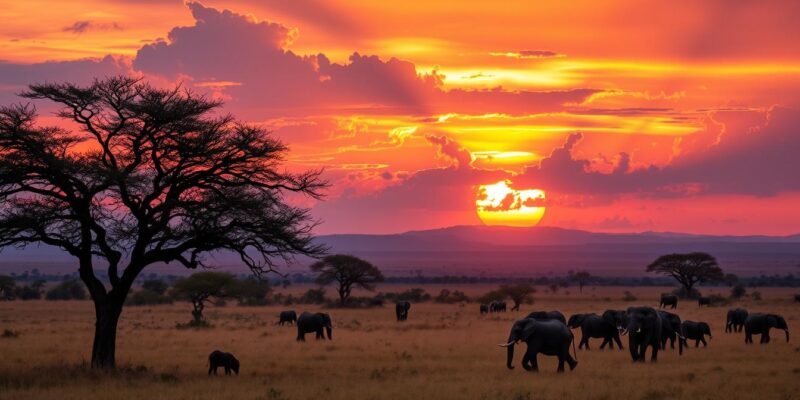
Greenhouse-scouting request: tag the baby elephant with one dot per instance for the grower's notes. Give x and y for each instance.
(287, 317)
(696, 331)
(221, 359)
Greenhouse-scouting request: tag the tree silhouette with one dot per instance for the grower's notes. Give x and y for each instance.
(518, 293)
(150, 176)
(348, 271)
(688, 269)
(581, 277)
(201, 287)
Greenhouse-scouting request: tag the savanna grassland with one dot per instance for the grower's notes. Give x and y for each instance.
(441, 352)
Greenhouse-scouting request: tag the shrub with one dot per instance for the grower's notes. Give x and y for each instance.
(313, 296)
(68, 290)
(718, 300)
(414, 295)
(448, 297)
(28, 292)
(494, 295)
(756, 295)
(147, 297)
(738, 291)
(253, 292)
(9, 334)
(156, 286)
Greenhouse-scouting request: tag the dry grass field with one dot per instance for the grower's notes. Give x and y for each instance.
(441, 352)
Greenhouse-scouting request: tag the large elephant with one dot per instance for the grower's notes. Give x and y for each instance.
(760, 324)
(550, 338)
(696, 331)
(222, 359)
(643, 325)
(735, 320)
(308, 322)
(401, 309)
(548, 316)
(671, 330)
(595, 326)
(287, 317)
(668, 300)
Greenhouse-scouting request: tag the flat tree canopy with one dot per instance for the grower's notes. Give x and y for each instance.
(688, 269)
(201, 287)
(148, 176)
(348, 271)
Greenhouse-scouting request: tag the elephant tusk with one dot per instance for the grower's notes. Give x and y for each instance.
(511, 343)
(639, 330)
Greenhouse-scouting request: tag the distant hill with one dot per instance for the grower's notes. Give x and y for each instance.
(504, 251)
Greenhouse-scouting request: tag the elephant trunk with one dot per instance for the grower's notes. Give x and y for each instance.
(510, 356)
(787, 334)
(329, 329)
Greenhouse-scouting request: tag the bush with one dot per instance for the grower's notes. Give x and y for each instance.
(414, 295)
(494, 295)
(448, 297)
(156, 286)
(756, 295)
(68, 290)
(253, 292)
(28, 293)
(718, 300)
(313, 296)
(147, 297)
(628, 296)
(738, 291)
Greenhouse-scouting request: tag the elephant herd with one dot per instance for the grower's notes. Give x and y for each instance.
(647, 328)
(550, 333)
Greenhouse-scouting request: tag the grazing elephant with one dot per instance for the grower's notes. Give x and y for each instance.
(671, 330)
(308, 322)
(401, 309)
(551, 338)
(484, 309)
(643, 325)
(695, 331)
(221, 359)
(289, 317)
(500, 306)
(595, 326)
(668, 300)
(703, 301)
(547, 316)
(735, 320)
(760, 324)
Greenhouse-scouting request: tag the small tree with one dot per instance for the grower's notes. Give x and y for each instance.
(518, 293)
(581, 278)
(738, 291)
(348, 271)
(688, 269)
(253, 292)
(70, 289)
(202, 287)
(730, 279)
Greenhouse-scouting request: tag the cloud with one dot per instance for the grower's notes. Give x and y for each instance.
(226, 46)
(84, 26)
(748, 152)
(528, 54)
(451, 150)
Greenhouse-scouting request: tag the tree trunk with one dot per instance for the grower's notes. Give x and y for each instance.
(107, 314)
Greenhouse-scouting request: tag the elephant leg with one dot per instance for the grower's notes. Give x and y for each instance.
(697, 343)
(227, 370)
(605, 342)
(560, 364)
(301, 337)
(529, 361)
(654, 356)
(703, 339)
(570, 361)
(211, 369)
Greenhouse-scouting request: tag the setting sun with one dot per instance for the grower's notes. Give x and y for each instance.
(500, 204)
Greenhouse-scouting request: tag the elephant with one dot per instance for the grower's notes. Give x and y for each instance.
(547, 316)
(643, 325)
(551, 338)
(668, 300)
(484, 309)
(695, 331)
(401, 309)
(221, 359)
(671, 330)
(735, 320)
(497, 306)
(289, 317)
(760, 324)
(308, 322)
(704, 301)
(595, 326)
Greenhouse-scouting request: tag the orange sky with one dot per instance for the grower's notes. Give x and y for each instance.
(632, 116)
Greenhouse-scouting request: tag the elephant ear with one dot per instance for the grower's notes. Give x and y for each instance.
(528, 329)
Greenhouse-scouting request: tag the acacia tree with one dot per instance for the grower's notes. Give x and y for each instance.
(581, 277)
(518, 293)
(149, 176)
(348, 271)
(201, 287)
(688, 269)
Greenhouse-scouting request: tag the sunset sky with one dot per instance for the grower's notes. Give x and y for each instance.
(633, 116)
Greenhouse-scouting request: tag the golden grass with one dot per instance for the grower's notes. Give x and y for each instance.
(441, 352)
